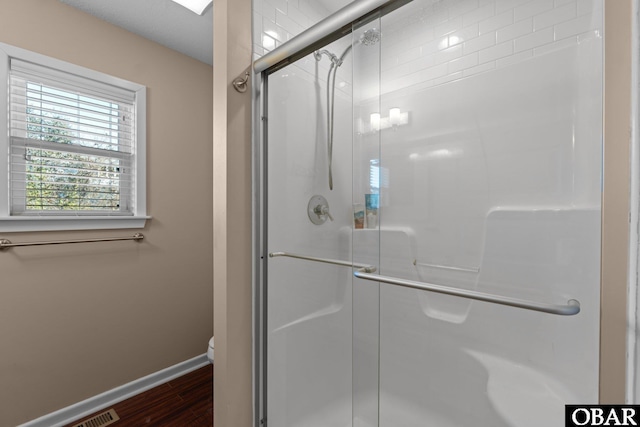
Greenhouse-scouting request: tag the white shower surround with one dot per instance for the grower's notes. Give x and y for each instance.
(535, 235)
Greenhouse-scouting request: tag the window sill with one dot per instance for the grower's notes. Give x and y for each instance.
(64, 223)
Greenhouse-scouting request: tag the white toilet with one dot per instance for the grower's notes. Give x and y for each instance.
(210, 350)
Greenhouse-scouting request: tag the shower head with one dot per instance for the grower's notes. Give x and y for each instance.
(370, 37)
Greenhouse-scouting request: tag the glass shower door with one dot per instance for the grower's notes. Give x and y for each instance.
(309, 293)
(452, 144)
(478, 126)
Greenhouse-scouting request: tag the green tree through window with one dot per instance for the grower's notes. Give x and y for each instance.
(63, 178)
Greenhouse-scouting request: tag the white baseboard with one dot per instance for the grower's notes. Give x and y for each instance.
(101, 401)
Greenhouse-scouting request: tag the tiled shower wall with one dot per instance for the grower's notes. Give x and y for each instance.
(276, 21)
(458, 38)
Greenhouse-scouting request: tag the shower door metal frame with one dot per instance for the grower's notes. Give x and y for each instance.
(259, 247)
(321, 34)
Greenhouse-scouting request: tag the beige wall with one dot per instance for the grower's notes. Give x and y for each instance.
(232, 214)
(78, 320)
(615, 201)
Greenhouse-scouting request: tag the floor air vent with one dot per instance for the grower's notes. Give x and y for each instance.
(104, 419)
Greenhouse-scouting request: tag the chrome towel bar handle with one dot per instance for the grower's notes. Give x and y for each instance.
(363, 271)
(364, 267)
(5, 244)
(571, 308)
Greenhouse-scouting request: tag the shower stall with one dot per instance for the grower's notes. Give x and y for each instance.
(428, 232)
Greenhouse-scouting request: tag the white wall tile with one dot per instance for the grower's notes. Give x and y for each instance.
(585, 7)
(496, 52)
(401, 14)
(589, 35)
(479, 69)
(533, 40)
(463, 35)
(514, 31)
(391, 37)
(446, 40)
(311, 9)
(435, 45)
(504, 5)
(256, 6)
(463, 63)
(281, 5)
(482, 42)
(269, 11)
(478, 14)
(413, 36)
(461, 7)
(449, 54)
(496, 22)
(573, 27)
(402, 34)
(534, 7)
(554, 16)
(448, 78)
(273, 30)
(413, 81)
(551, 47)
(267, 42)
(298, 17)
(435, 17)
(409, 55)
(434, 72)
(411, 67)
(448, 26)
(514, 59)
(417, 39)
(257, 29)
(287, 23)
(388, 62)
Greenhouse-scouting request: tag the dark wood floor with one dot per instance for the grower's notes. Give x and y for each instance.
(186, 401)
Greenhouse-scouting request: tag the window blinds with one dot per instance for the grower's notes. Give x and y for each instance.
(72, 144)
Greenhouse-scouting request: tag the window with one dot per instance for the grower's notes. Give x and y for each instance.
(378, 176)
(72, 146)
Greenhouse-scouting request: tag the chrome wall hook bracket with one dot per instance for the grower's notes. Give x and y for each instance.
(241, 83)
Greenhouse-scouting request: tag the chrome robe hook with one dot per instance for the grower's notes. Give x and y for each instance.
(241, 83)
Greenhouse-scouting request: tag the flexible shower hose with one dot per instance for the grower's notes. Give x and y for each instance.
(331, 92)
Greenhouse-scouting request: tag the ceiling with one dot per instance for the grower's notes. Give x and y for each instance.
(162, 21)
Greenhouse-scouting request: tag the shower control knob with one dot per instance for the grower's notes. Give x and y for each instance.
(318, 210)
(323, 210)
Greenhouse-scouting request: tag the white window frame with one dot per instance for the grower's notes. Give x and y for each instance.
(20, 223)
